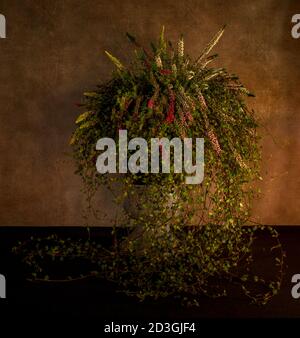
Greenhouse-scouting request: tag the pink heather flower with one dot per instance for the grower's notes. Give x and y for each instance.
(170, 114)
(182, 118)
(150, 104)
(214, 142)
(202, 101)
(189, 115)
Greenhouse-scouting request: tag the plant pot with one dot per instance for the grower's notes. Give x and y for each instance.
(139, 205)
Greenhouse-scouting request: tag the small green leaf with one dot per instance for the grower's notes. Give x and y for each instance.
(82, 117)
(87, 124)
(90, 94)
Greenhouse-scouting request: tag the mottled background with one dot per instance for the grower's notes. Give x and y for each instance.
(54, 52)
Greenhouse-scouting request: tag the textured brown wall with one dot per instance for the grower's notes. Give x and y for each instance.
(54, 51)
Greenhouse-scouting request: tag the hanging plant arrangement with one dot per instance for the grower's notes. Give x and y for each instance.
(181, 240)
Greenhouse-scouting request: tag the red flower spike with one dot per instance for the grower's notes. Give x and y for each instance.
(150, 104)
(170, 114)
(165, 71)
(170, 118)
